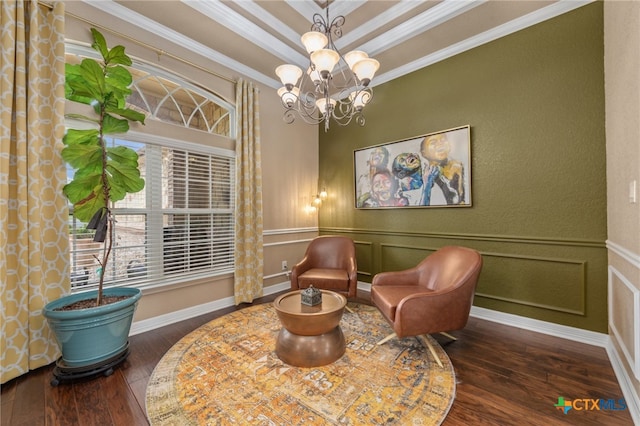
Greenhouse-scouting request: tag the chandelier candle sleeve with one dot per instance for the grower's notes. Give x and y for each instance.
(334, 87)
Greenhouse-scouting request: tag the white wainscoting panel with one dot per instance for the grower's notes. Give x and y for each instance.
(630, 349)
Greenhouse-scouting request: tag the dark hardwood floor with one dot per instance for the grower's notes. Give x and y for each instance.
(506, 376)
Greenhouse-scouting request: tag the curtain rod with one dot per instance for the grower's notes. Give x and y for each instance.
(159, 52)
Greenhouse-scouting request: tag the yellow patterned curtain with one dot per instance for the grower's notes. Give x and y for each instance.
(248, 227)
(34, 245)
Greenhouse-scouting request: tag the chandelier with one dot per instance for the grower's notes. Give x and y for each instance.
(334, 86)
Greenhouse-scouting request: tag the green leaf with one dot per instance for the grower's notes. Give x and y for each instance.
(123, 172)
(71, 70)
(84, 211)
(112, 125)
(123, 154)
(117, 56)
(123, 179)
(81, 117)
(75, 86)
(83, 187)
(83, 156)
(114, 102)
(117, 80)
(75, 136)
(119, 75)
(93, 76)
(99, 43)
(129, 114)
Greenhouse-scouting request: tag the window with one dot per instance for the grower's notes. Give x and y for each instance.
(178, 103)
(181, 225)
(165, 97)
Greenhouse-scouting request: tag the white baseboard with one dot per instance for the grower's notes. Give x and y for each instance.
(184, 314)
(557, 330)
(626, 385)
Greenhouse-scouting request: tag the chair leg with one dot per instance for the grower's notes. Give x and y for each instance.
(448, 335)
(386, 339)
(429, 346)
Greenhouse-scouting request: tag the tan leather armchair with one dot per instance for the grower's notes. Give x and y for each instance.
(433, 297)
(330, 264)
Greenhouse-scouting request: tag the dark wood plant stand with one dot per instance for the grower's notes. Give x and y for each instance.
(62, 372)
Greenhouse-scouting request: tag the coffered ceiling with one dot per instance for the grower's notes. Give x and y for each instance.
(253, 37)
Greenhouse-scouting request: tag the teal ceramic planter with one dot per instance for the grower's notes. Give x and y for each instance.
(90, 336)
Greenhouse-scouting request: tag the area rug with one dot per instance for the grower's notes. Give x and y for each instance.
(227, 372)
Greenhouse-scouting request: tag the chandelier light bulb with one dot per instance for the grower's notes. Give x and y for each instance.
(325, 60)
(365, 69)
(314, 75)
(360, 99)
(322, 105)
(289, 97)
(289, 75)
(354, 56)
(314, 40)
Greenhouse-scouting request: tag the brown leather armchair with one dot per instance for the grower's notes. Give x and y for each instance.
(433, 297)
(330, 264)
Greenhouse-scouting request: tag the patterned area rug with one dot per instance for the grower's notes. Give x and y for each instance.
(227, 372)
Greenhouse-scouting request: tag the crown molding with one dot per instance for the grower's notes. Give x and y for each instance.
(428, 19)
(307, 9)
(222, 14)
(434, 16)
(112, 8)
(503, 30)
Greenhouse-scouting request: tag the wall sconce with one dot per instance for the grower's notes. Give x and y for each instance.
(323, 194)
(318, 198)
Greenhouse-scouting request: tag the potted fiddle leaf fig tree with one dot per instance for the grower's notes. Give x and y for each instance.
(102, 175)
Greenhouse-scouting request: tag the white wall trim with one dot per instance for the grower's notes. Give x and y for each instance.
(288, 242)
(626, 254)
(285, 231)
(278, 274)
(626, 385)
(184, 314)
(619, 365)
(544, 327)
(633, 359)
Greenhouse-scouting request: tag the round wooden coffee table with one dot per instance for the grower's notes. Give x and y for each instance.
(310, 335)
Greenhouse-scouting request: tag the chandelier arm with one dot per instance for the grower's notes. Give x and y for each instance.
(331, 94)
(319, 24)
(335, 29)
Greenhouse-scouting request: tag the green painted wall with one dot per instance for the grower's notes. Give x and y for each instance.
(535, 104)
